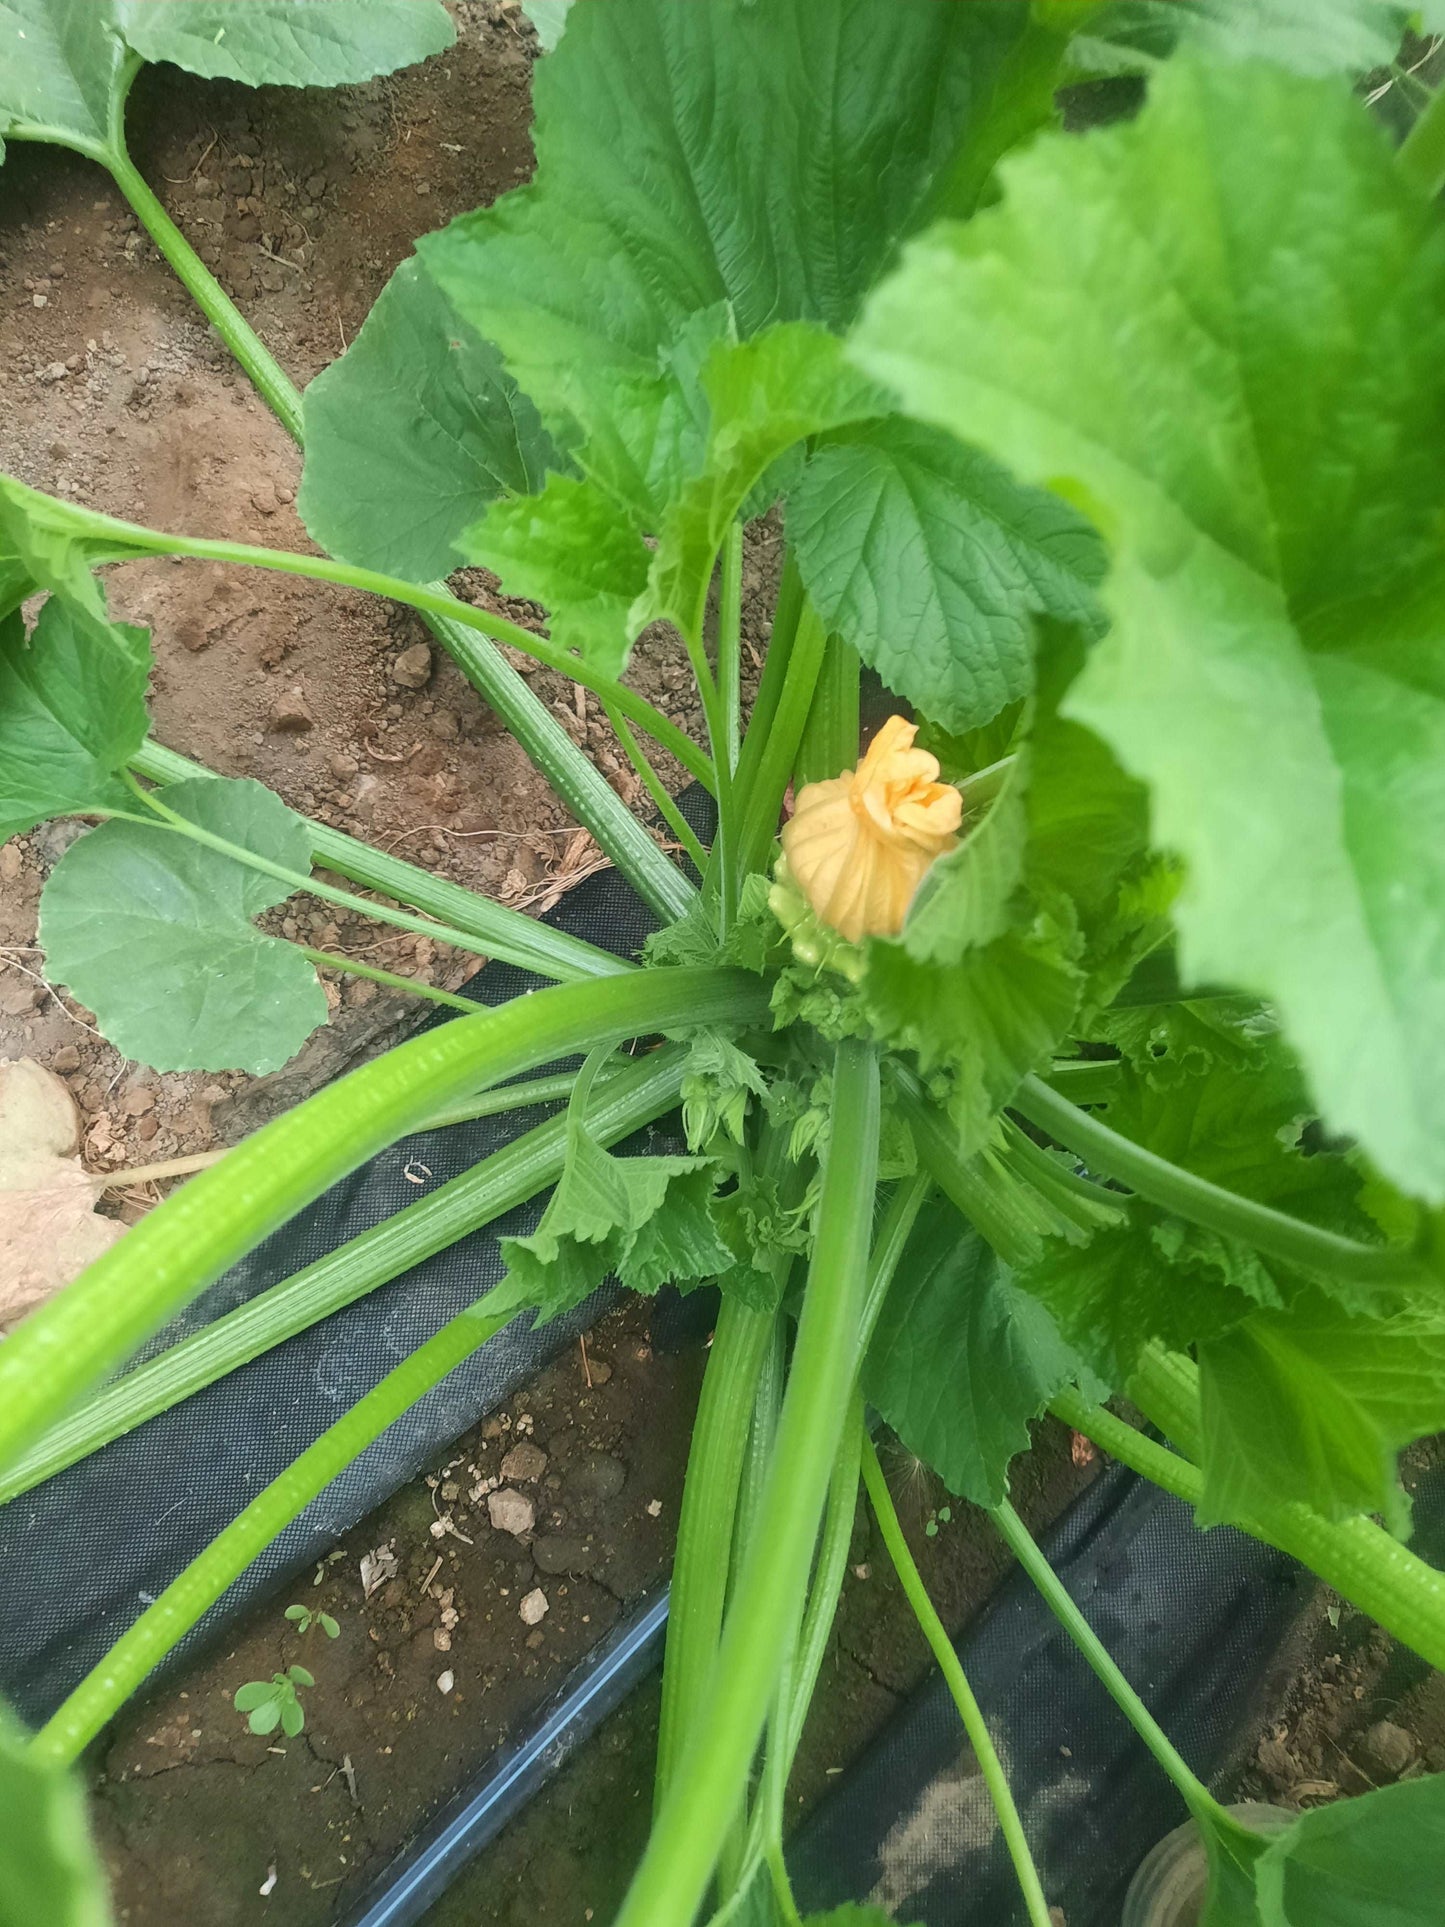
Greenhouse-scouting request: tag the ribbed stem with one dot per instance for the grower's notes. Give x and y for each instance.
(502, 933)
(178, 1249)
(714, 1768)
(705, 1524)
(632, 1097)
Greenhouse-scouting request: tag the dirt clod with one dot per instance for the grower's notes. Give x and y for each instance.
(291, 713)
(525, 1463)
(556, 1552)
(511, 1511)
(412, 668)
(1388, 1748)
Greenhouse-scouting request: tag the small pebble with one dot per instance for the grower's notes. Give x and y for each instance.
(525, 1462)
(412, 668)
(446, 1681)
(534, 1607)
(511, 1511)
(1389, 1747)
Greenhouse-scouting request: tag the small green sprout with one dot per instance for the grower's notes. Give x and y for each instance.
(305, 1617)
(942, 1517)
(275, 1702)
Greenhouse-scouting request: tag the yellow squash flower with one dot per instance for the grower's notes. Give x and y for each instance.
(858, 845)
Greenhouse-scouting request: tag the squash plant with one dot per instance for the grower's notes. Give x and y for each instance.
(1082, 1038)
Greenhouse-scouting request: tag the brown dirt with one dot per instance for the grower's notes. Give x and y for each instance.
(193, 1811)
(113, 390)
(567, 1860)
(1356, 1709)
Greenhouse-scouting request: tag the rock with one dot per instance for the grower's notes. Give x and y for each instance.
(534, 1608)
(556, 1552)
(525, 1462)
(412, 668)
(263, 498)
(342, 766)
(65, 1060)
(597, 1475)
(510, 1511)
(291, 713)
(446, 1681)
(11, 862)
(18, 1000)
(1389, 1748)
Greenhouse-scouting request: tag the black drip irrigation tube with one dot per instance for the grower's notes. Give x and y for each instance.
(598, 1686)
(1197, 1621)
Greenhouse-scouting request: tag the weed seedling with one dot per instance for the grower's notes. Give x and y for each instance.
(269, 1703)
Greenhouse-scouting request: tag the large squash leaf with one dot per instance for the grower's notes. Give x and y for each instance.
(72, 713)
(1221, 328)
(154, 932)
(711, 174)
(409, 432)
(65, 64)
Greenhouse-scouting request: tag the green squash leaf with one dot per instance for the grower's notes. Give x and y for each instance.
(1315, 1404)
(154, 934)
(1241, 1122)
(549, 17)
(1222, 327)
(962, 1359)
(692, 158)
(765, 396)
(59, 65)
(646, 1220)
(287, 43)
(986, 1020)
(579, 553)
(1151, 1277)
(1088, 819)
(49, 544)
(1314, 37)
(72, 713)
(49, 1869)
(1167, 1043)
(410, 432)
(63, 62)
(1376, 1861)
(967, 898)
(930, 559)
